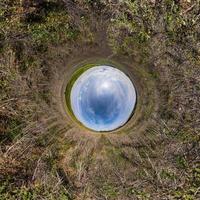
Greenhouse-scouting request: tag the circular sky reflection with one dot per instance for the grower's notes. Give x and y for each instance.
(103, 98)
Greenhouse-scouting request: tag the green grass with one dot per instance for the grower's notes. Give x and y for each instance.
(140, 194)
(110, 191)
(56, 29)
(33, 192)
(70, 84)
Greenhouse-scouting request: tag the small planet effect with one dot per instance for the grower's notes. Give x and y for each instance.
(103, 98)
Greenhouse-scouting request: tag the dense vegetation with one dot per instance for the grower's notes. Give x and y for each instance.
(44, 156)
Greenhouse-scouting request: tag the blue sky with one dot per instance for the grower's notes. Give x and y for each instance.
(103, 98)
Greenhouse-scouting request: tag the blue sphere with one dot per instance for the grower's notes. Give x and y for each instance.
(103, 98)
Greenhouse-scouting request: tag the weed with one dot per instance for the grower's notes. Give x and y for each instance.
(181, 162)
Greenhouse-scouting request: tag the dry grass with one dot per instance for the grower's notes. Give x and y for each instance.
(46, 155)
